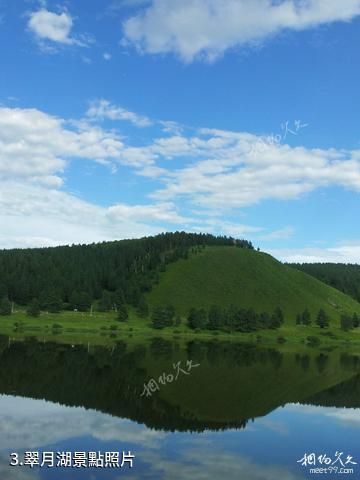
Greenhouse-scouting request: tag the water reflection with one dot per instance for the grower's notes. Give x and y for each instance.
(255, 411)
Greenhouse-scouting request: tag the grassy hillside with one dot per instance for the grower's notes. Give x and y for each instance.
(246, 278)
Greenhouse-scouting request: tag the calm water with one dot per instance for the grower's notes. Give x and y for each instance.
(225, 411)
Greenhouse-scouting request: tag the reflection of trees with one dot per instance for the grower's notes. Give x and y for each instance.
(321, 362)
(196, 350)
(111, 379)
(349, 361)
(161, 348)
(343, 395)
(303, 360)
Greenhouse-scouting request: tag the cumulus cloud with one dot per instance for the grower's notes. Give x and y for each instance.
(41, 216)
(206, 173)
(35, 151)
(36, 146)
(56, 27)
(207, 28)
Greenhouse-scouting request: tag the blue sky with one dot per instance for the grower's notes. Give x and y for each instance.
(126, 118)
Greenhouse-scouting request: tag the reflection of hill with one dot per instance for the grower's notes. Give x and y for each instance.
(233, 384)
(345, 394)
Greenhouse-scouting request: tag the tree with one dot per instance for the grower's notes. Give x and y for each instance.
(306, 317)
(322, 319)
(197, 318)
(51, 301)
(105, 302)
(277, 318)
(230, 317)
(122, 313)
(356, 320)
(119, 298)
(216, 318)
(298, 319)
(5, 306)
(346, 322)
(163, 316)
(177, 321)
(33, 309)
(143, 308)
(264, 320)
(3, 291)
(84, 302)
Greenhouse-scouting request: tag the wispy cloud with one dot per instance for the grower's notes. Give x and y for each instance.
(103, 109)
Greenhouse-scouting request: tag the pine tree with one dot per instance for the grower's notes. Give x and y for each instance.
(119, 298)
(51, 301)
(105, 302)
(264, 320)
(122, 313)
(216, 318)
(197, 318)
(277, 318)
(346, 322)
(143, 308)
(306, 317)
(33, 309)
(163, 317)
(322, 319)
(85, 302)
(5, 306)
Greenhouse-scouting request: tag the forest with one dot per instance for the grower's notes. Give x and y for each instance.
(344, 277)
(112, 272)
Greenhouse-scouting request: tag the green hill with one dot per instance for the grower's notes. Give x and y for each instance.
(248, 279)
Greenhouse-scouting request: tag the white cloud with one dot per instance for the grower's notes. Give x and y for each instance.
(219, 226)
(39, 423)
(208, 173)
(163, 212)
(207, 28)
(51, 26)
(103, 109)
(347, 253)
(27, 422)
(198, 462)
(35, 150)
(281, 234)
(35, 146)
(107, 56)
(56, 27)
(39, 216)
(347, 416)
(227, 171)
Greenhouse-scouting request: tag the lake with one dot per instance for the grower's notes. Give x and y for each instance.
(178, 410)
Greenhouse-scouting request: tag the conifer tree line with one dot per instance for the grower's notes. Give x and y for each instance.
(344, 277)
(112, 272)
(347, 322)
(218, 318)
